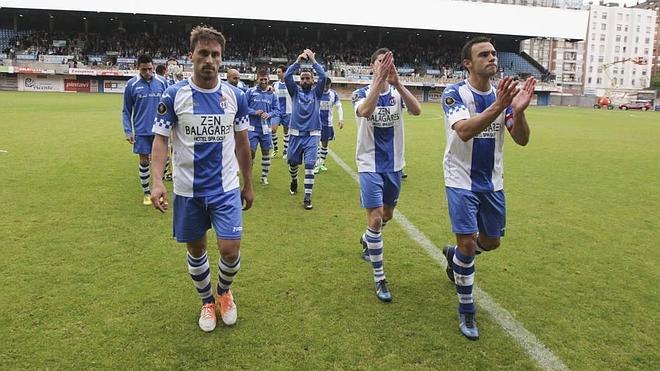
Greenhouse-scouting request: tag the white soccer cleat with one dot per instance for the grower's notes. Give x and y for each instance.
(264, 180)
(227, 308)
(207, 319)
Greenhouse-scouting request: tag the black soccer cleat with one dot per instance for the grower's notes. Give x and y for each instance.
(293, 188)
(448, 252)
(307, 203)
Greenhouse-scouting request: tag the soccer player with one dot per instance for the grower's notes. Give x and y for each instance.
(262, 105)
(234, 78)
(141, 97)
(207, 120)
(379, 155)
(285, 112)
(329, 100)
(305, 125)
(475, 117)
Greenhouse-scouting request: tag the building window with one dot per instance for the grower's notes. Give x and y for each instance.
(600, 59)
(604, 16)
(647, 40)
(603, 26)
(617, 49)
(602, 37)
(618, 27)
(598, 80)
(618, 38)
(589, 80)
(632, 82)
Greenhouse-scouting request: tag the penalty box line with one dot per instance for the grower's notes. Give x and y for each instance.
(543, 356)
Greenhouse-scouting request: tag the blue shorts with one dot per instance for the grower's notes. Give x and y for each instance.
(472, 212)
(378, 189)
(143, 144)
(327, 133)
(302, 148)
(258, 137)
(282, 119)
(193, 216)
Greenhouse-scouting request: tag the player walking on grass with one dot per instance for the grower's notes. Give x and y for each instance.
(379, 155)
(207, 120)
(141, 97)
(329, 100)
(262, 105)
(305, 126)
(279, 87)
(475, 117)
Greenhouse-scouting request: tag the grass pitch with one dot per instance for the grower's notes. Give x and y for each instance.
(91, 278)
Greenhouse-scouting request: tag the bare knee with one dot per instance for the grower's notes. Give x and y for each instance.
(488, 244)
(467, 245)
(229, 250)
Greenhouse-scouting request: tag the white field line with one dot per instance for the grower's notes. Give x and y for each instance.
(530, 343)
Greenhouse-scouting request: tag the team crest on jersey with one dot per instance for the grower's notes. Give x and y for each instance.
(162, 108)
(355, 97)
(391, 101)
(223, 102)
(449, 101)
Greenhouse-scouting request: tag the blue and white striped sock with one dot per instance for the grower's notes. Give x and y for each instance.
(227, 273)
(265, 165)
(144, 173)
(464, 279)
(293, 171)
(309, 180)
(200, 272)
(323, 153)
(375, 246)
(286, 142)
(274, 137)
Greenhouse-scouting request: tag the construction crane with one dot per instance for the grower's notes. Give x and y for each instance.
(605, 101)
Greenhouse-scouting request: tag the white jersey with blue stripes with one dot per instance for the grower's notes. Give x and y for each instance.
(380, 138)
(329, 100)
(201, 123)
(474, 165)
(283, 95)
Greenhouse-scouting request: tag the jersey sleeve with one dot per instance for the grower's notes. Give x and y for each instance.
(241, 120)
(127, 110)
(453, 106)
(358, 98)
(508, 118)
(165, 115)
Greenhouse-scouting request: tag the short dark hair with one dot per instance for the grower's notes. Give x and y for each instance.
(466, 52)
(328, 81)
(206, 33)
(144, 58)
(161, 69)
(378, 52)
(262, 72)
(282, 67)
(307, 70)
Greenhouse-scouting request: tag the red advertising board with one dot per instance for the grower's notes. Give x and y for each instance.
(76, 85)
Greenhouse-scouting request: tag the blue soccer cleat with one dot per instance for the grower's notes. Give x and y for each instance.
(468, 326)
(383, 291)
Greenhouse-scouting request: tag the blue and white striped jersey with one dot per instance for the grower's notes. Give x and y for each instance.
(380, 138)
(283, 96)
(201, 124)
(329, 100)
(141, 98)
(474, 165)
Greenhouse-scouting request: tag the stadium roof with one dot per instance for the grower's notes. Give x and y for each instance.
(441, 15)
